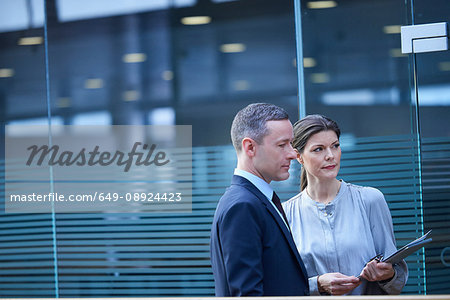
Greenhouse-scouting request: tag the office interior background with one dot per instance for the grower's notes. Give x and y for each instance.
(197, 62)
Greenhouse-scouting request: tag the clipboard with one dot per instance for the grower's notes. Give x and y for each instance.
(408, 249)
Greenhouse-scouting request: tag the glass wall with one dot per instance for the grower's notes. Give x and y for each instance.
(197, 62)
(27, 244)
(392, 109)
(101, 62)
(432, 85)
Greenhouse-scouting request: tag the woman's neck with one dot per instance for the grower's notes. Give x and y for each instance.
(323, 192)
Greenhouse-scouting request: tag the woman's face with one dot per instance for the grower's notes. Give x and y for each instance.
(321, 156)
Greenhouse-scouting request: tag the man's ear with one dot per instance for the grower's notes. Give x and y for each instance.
(249, 147)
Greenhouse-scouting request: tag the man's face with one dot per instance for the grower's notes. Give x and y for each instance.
(273, 156)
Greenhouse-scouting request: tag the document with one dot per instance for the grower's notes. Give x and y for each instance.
(408, 249)
(403, 252)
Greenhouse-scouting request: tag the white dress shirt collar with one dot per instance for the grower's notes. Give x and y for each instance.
(263, 187)
(260, 184)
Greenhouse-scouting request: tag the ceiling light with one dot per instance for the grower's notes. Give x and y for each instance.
(4, 73)
(321, 4)
(309, 62)
(196, 20)
(320, 78)
(167, 75)
(241, 85)
(93, 83)
(397, 52)
(349, 97)
(444, 66)
(131, 95)
(232, 48)
(31, 40)
(392, 29)
(63, 102)
(134, 57)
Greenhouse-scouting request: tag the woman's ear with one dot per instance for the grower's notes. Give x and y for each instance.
(299, 156)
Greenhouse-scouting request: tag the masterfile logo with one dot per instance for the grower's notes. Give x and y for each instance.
(54, 156)
(101, 169)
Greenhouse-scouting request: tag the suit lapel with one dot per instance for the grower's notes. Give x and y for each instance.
(274, 213)
(287, 234)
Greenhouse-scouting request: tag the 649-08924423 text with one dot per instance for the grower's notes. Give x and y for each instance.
(98, 196)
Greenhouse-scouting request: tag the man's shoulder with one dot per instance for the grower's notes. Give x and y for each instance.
(236, 194)
(242, 196)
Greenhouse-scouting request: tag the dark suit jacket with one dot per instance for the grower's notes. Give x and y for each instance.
(252, 251)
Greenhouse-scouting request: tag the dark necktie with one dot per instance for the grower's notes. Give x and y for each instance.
(277, 203)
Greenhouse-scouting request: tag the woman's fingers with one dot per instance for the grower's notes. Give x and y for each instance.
(337, 283)
(377, 271)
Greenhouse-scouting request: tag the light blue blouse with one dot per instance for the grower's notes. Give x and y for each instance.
(344, 235)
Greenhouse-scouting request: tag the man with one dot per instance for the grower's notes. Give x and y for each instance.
(252, 250)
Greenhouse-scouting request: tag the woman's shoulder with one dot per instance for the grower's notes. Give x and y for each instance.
(368, 194)
(364, 189)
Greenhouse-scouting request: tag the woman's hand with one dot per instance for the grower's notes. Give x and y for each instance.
(337, 283)
(377, 271)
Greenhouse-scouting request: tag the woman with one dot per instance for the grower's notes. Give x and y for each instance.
(339, 227)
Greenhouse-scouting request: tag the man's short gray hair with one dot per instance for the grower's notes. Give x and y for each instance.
(250, 122)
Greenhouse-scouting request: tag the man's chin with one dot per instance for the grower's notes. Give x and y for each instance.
(282, 177)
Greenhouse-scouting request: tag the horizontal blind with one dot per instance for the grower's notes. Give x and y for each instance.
(436, 201)
(167, 254)
(26, 255)
(27, 264)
